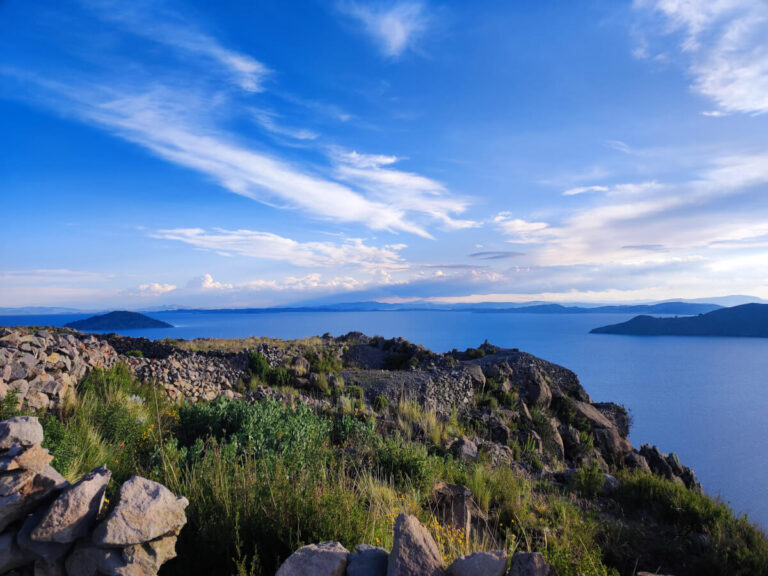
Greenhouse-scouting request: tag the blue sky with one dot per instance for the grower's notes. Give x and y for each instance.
(265, 153)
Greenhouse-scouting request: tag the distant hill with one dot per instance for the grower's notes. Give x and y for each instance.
(121, 320)
(746, 320)
(681, 308)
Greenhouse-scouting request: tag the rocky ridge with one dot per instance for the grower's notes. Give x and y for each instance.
(53, 528)
(526, 401)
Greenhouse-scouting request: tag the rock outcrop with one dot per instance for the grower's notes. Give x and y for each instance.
(48, 526)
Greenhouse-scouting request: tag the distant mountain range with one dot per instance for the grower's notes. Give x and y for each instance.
(680, 307)
(747, 320)
(120, 320)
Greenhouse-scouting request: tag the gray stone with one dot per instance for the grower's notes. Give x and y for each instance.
(49, 552)
(530, 564)
(610, 485)
(18, 504)
(367, 561)
(324, 559)
(15, 481)
(89, 560)
(464, 449)
(476, 375)
(46, 569)
(73, 513)
(11, 556)
(20, 431)
(35, 458)
(145, 511)
(414, 551)
(480, 564)
(151, 556)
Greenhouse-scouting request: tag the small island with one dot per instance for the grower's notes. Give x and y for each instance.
(118, 320)
(747, 320)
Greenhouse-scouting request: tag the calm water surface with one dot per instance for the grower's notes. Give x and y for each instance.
(703, 398)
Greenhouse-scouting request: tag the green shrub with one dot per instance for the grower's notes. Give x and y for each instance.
(258, 365)
(398, 361)
(473, 353)
(324, 362)
(380, 403)
(135, 353)
(355, 392)
(589, 480)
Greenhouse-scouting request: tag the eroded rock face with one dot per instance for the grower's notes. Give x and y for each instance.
(414, 551)
(324, 559)
(46, 524)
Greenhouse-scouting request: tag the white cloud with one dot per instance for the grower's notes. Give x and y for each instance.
(521, 230)
(206, 282)
(171, 29)
(394, 28)
(155, 289)
(269, 121)
(265, 245)
(409, 191)
(584, 189)
(726, 43)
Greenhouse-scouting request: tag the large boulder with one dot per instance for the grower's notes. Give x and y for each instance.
(530, 564)
(480, 564)
(414, 551)
(367, 561)
(324, 559)
(73, 514)
(145, 510)
(464, 449)
(453, 505)
(592, 415)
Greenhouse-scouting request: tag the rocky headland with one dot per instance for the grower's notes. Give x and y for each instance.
(746, 321)
(486, 408)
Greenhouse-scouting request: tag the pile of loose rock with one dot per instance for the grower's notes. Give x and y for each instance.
(414, 553)
(195, 376)
(43, 366)
(51, 528)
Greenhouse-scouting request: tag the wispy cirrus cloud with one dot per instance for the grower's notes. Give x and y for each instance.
(411, 192)
(584, 190)
(182, 113)
(394, 27)
(726, 45)
(170, 28)
(496, 255)
(268, 246)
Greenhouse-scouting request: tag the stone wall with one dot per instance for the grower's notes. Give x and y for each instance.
(43, 366)
(53, 528)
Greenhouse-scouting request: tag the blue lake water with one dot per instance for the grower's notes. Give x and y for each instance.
(704, 398)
